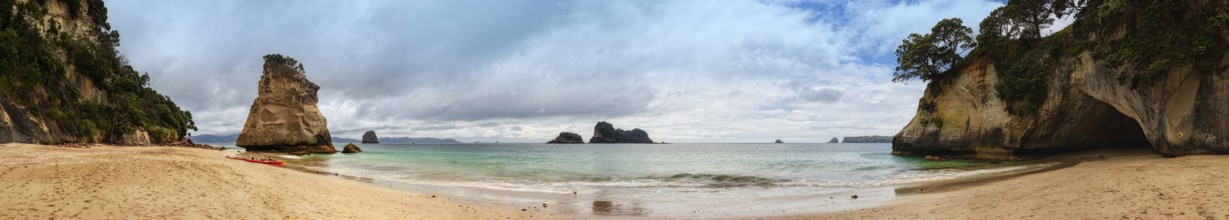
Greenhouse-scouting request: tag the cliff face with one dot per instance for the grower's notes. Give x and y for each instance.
(606, 133)
(62, 81)
(284, 117)
(370, 138)
(1087, 105)
(971, 121)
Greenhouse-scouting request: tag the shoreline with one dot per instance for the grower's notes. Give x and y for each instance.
(1100, 183)
(831, 200)
(43, 181)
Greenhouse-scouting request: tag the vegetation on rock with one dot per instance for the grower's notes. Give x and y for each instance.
(1124, 73)
(567, 138)
(606, 133)
(1011, 36)
(34, 74)
(283, 59)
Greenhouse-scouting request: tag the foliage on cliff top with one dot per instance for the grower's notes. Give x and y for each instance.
(283, 59)
(1144, 39)
(32, 75)
(1141, 40)
(569, 136)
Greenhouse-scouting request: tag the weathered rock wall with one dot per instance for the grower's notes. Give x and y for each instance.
(284, 117)
(17, 122)
(1087, 106)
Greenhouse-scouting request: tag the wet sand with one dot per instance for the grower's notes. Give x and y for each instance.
(105, 182)
(1123, 184)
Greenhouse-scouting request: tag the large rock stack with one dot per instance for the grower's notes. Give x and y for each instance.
(370, 138)
(284, 118)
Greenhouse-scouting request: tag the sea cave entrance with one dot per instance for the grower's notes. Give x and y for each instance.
(1096, 126)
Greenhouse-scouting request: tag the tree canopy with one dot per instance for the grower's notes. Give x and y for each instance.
(927, 56)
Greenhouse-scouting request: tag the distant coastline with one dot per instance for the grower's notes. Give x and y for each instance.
(209, 138)
(868, 139)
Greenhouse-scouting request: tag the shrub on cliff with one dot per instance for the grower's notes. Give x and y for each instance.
(283, 59)
(33, 76)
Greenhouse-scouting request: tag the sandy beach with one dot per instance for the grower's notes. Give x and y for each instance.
(1136, 184)
(106, 182)
(44, 182)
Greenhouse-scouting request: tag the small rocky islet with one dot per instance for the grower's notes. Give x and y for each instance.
(605, 133)
(351, 148)
(567, 138)
(369, 137)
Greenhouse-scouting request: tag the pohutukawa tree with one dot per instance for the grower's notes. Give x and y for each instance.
(928, 56)
(999, 26)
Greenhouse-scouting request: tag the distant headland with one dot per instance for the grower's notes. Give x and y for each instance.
(867, 139)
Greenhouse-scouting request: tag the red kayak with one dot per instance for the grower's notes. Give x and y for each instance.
(269, 162)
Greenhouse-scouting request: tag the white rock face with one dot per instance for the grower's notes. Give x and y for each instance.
(137, 137)
(1086, 107)
(285, 117)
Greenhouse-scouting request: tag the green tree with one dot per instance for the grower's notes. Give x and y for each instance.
(928, 56)
(999, 26)
(1034, 15)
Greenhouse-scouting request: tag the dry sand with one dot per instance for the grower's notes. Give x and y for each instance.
(1137, 184)
(102, 182)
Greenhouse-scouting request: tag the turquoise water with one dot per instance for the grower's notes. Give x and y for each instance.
(646, 179)
(640, 165)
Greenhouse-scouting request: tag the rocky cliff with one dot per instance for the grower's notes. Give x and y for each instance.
(370, 138)
(567, 138)
(1099, 87)
(606, 133)
(284, 117)
(63, 81)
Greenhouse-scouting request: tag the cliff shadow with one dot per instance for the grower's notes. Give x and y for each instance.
(1097, 126)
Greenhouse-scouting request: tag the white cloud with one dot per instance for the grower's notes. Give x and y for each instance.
(686, 71)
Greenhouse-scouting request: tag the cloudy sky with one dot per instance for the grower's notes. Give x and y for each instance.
(522, 71)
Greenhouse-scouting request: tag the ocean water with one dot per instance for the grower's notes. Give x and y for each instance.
(670, 180)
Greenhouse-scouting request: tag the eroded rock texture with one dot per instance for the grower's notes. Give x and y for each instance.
(284, 118)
